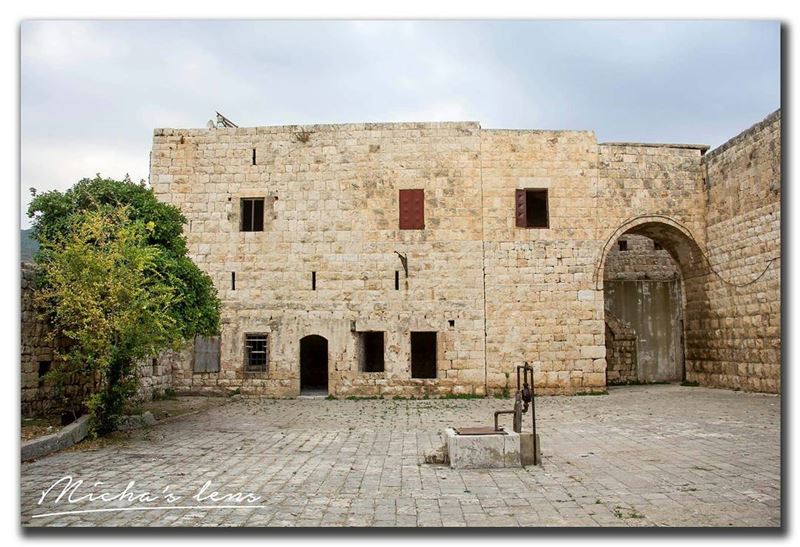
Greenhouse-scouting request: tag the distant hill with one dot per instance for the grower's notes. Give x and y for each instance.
(27, 245)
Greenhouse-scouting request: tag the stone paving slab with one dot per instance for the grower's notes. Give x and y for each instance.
(660, 455)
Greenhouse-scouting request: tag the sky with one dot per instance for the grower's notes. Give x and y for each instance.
(93, 91)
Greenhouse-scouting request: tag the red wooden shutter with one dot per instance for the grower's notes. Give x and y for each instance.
(521, 209)
(412, 209)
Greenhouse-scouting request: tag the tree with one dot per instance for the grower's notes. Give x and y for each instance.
(116, 284)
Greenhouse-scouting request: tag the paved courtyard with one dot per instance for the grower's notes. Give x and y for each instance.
(661, 455)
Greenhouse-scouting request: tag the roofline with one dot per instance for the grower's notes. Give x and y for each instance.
(702, 147)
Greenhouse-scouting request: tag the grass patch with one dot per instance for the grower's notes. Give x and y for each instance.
(462, 396)
(624, 513)
(591, 393)
(360, 398)
(330, 397)
(167, 395)
(688, 383)
(640, 383)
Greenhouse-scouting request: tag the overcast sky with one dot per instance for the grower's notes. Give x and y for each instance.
(92, 92)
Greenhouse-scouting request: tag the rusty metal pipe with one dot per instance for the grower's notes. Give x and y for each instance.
(497, 416)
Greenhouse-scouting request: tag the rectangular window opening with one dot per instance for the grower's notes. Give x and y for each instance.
(412, 209)
(44, 368)
(371, 351)
(313, 281)
(233, 281)
(532, 208)
(396, 280)
(254, 156)
(423, 355)
(206, 354)
(256, 353)
(154, 365)
(657, 246)
(623, 245)
(252, 215)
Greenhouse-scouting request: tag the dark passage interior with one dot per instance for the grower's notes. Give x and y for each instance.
(313, 363)
(423, 355)
(371, 358)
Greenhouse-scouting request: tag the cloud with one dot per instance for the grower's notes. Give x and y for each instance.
(92, 92)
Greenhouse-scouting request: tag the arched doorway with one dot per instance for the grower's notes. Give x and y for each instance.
(653, 275)
(313, 364)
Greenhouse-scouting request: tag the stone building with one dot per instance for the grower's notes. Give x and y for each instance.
(432, 258)
(421, 259)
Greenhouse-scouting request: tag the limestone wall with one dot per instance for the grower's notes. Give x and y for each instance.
(541, 305)
(639, 261)
(620, 351)
(332, 208)
(743, 189)
(497, 294)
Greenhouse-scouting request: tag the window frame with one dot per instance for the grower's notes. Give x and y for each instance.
(521, 214)
(253, 225)
(249, 368)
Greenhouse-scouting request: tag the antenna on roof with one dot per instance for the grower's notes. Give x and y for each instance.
(222, 121)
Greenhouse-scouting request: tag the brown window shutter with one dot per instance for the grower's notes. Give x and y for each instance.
(412, 209)
(521, 209)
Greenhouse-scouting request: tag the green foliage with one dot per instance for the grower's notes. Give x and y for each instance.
(689, 383)
(116, 285)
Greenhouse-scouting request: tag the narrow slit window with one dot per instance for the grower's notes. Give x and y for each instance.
(233, 281)
(371, 351)
(423, 355)
(254, 156)
(313, 281)
(532, 208)
(252, 215)
(396, 280)
(256, 353)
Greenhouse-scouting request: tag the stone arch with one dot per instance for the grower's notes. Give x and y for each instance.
(314, 363)
(680, 243)
(676, 238)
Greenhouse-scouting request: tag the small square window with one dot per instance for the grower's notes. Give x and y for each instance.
(412, 209)
(371, 352)
(657, 246)
(623, 245)
(532, 208)
(256, 353)
(252, 215)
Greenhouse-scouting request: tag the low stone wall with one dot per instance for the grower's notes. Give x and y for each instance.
(620, 351)
(66, 437)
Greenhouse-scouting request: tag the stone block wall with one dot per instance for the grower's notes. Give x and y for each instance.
(496, 294)
(640, 261)
(742, 349)
(331, 196)
(620, 351)
(541, 304)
